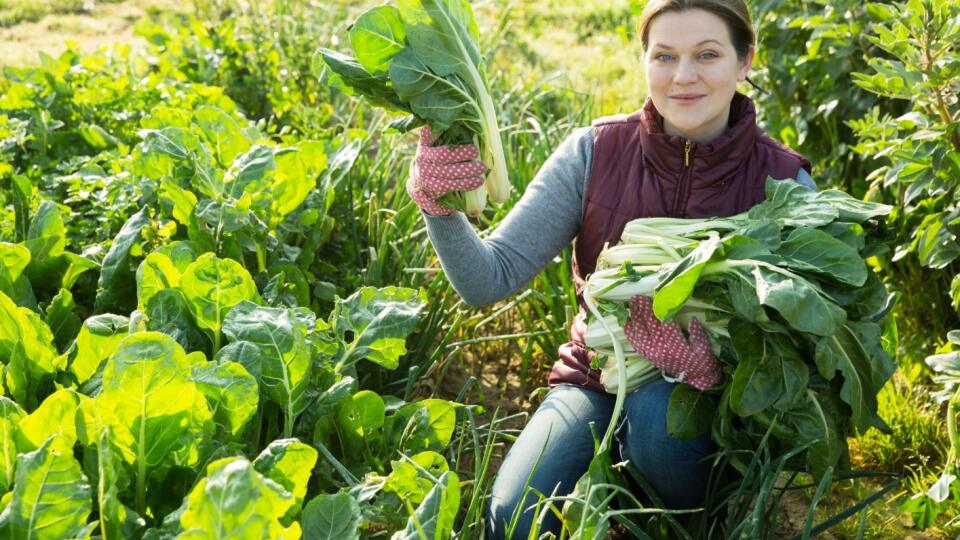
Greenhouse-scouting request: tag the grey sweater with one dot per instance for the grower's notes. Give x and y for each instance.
(545, 219)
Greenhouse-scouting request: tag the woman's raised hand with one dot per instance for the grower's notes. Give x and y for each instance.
(438, 170)
(663, 344)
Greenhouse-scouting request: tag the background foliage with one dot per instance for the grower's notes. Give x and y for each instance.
(99, 228)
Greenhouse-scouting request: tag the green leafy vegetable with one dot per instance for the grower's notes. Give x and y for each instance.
(422, 57)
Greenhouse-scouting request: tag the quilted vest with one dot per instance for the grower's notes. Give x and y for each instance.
(640, 171)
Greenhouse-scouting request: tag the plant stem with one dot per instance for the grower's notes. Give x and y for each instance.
(288, 421)
(261, 259)
(953, 408)
(142, 484)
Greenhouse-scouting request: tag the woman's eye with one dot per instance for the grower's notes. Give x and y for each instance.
(663, 57)
(709, 56)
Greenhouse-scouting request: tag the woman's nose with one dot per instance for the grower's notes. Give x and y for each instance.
(686, 72)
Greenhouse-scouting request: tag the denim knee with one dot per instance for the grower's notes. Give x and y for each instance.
(559, 436)
(677, 469)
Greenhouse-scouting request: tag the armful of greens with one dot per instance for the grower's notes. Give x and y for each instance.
(421, 57)
(796, 316)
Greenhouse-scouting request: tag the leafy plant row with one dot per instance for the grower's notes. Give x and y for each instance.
(166, 368)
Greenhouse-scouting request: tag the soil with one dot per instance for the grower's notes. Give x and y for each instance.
(102, 26)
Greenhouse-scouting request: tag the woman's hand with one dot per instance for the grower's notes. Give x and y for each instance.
(438, 170)
(663, 344)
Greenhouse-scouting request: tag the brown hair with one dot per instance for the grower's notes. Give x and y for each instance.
(734, 14)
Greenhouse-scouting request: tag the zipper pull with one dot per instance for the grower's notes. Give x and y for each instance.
(686, 153)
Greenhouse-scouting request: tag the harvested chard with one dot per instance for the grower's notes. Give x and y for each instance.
(798, 320)
(421, 57)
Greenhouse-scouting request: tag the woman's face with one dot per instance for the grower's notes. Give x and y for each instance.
(692, 72)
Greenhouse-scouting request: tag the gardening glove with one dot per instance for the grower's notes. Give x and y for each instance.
(663, 344)
(438, 170)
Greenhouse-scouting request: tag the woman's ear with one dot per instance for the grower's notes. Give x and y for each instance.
(746, 64)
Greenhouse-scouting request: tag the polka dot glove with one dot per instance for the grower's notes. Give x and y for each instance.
(438, 170)
(663, 344)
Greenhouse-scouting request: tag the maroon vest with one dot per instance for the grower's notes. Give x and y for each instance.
(640, 171)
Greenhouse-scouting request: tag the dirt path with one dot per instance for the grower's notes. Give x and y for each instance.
(105, 25)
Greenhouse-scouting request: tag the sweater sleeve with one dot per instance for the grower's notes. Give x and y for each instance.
(803, 177)
(544, 221)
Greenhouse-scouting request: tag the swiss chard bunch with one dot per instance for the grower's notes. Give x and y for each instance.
(808, 340)
(421, 57)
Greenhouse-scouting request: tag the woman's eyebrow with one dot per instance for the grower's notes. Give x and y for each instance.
(664, 46)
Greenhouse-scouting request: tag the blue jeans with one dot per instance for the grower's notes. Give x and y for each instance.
(672, 466)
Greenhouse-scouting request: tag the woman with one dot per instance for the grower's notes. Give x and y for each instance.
(693, 150)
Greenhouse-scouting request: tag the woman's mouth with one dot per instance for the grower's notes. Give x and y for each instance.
(687, 98)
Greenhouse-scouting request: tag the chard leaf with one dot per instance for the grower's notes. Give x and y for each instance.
(26, 346)
(14, 258)
(811, 423)
(249, 172)
(793, 204)
(235, 501)
(51, 496)
(231, 391)
(351, 77)
(678, 280)
(55, 416)
(407, 480)
(815, 251)
(176, 201)
(46, 240)
(116, 520)
(10, 415)
(157, 415)
(294, 178)
(284, 357)
(78, 265)
(443, 35)
(434, 518)
(358, 417)
(851, 234)
(62, 320)
(689, 412)
(155, 273)
(851, 208)
(425, 425)
(168, 312)
(223, 217)
(98, 338)
(221, 132)
(743, 296)
(440, 100)
(766, 232)
(213, 286)
(845, 351)
(770, 372)
(798, 301)
(289, 463)
(332, 517)
(380, 320)
(376, 36)
(181, 253)
(882, 365)
(116, 289)
(869, 301)
(20, 196)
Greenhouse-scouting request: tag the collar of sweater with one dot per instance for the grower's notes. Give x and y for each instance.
(710, 163)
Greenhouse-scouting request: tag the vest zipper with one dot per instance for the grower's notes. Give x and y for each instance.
(682, 184)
